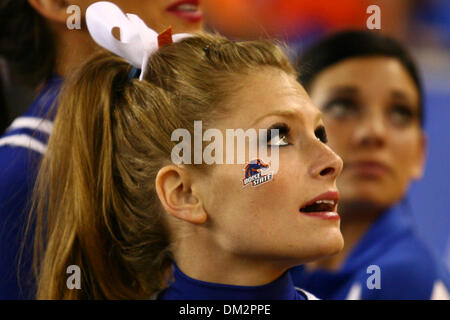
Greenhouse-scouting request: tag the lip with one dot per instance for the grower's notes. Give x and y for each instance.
(370, 168)
(191, 16)
(327, 215)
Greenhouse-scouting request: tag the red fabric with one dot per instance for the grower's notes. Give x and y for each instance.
(165, 37)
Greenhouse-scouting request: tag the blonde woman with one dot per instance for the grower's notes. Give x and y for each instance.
(112, 202)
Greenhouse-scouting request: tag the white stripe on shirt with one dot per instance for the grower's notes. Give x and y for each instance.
(355, 292)
(23, 140)
(309, 295)
(32, 123)
(439, 291)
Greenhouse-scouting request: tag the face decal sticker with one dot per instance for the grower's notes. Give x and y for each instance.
(257, 172)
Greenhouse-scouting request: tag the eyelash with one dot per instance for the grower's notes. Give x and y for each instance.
(321, 134)
(340, 107)
(283, 131)
(404, 110)
(343, 107)
(348, 102)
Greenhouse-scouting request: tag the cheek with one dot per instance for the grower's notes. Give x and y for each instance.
(281, 195)
(268, 208)
(265, 220)
(228, 190)
(406, 154)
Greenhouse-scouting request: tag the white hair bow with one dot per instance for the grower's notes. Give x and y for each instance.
(137, 41)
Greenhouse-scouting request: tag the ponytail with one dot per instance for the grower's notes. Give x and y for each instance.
(99, 216)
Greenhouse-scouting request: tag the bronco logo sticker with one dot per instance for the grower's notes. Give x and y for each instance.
(254, 173)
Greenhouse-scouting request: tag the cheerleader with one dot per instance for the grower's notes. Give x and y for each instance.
(113, 201)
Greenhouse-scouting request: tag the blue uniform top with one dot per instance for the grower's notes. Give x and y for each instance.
(21, 149)
(186, 288)
(389, 262)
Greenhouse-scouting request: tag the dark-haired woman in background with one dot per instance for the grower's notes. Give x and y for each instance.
(370, 93)
(40, 51)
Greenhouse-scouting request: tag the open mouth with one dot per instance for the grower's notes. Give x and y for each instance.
(187, 9)
(323, 206)
(320, 206)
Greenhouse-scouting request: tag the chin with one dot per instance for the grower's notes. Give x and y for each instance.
(324, 246)
(331, 244)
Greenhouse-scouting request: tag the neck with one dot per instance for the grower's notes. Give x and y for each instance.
(356, 220)
(210, 263)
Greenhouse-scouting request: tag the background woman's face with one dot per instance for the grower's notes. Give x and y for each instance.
(183, 16)
(371, 113)
(264, 222)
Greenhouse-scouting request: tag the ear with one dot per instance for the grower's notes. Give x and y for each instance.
(175, 191)
(53, 10)
(419, 168)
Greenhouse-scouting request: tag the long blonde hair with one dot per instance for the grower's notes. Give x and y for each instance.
(95, 201)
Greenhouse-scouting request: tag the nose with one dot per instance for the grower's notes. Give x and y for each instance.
(371, 131)
(328, 164)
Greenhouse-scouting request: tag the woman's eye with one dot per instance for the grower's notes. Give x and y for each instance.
(278, 140)
(401, 115)
(321, 134)
(277, 135)
(340, 108)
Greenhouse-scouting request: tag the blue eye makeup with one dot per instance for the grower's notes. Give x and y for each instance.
(340, 108)
(401, 115)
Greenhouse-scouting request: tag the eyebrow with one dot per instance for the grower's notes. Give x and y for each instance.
(286, 114)
(347, 89)
(351, 90)
(401, 95)
(282, 113)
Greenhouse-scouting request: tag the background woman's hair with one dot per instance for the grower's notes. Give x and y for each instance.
(95, 198)
(352, 44)
(26, 42)
(4, 114)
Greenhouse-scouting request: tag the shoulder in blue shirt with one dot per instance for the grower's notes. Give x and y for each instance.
(389, 262)
(21, 149)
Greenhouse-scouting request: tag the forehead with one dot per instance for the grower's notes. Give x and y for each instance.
(268, 91)
(373, 75)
